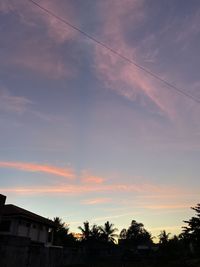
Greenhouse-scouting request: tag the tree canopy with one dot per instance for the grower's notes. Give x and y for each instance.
(163, 237)
(62, 236)
(192, 230)
(136, 233)
(85, 230)
(108, 232)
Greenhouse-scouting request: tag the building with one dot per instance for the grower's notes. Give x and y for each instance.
(16, 221)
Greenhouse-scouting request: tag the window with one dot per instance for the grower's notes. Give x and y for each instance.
(28, 224)
(34, 226)
(5, 226)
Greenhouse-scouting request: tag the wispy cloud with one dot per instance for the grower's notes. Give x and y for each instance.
(31, 167)
(188, 29)
(21, 105)
(31, 15)
(125, 79)
(115, 216)
(41, 57)
(44, 62)
(85, 189)
(96, 201)
(12, 103)
(87, 177)
(167, 206)
(39, 51)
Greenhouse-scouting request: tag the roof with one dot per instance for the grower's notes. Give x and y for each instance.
(14, 211)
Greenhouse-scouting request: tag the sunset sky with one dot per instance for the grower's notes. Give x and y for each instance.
(84, 135)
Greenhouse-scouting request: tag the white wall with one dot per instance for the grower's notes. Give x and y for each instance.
(35, 231)
(23, 230)
(43, 237)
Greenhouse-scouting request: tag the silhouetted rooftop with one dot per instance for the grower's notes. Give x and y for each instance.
(14, 211)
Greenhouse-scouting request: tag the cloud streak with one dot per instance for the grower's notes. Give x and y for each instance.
(91, 179)
(116, 216)
(39, 50)
(125, 79)
(167, 207)
(31, 167)
(96, 201)
(76, 189)
(31, 16)
(11, 103)
(44, 62)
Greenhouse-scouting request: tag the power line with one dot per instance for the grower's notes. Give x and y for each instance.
(113, 51)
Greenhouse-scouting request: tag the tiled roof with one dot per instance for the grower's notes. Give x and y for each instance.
(14, 211)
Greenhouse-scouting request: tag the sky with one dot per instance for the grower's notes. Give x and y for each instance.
(85, 135)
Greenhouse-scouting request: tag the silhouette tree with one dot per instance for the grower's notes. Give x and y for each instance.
(123, 234)
(192, 231)
(108, 232)
(95, 233)
(164, 245)
(58, 223)
(85, 230)
(62, 237)
(136, 234)
(163, 237)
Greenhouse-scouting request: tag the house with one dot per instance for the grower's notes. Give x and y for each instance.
(16, 221)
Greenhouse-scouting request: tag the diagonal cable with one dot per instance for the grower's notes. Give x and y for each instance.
(115, 52)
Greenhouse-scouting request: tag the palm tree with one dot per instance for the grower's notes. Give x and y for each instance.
(85, 230)
(163, 237)
(95, 232)
(108, 232)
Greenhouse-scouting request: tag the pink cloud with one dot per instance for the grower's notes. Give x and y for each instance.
(42, 61)
(56, 29)
(118, 75)
(41, 57)
(31, 15)
(31, 167)
(40, 53)
(96, 201)
(6, 6)
(85, 189)
(91, 179)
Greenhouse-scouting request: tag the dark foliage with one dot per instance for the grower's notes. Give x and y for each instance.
(136, 234)
(136, 243)
(98, 234)
(62, 237)
(191, 232)
(108, 232)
